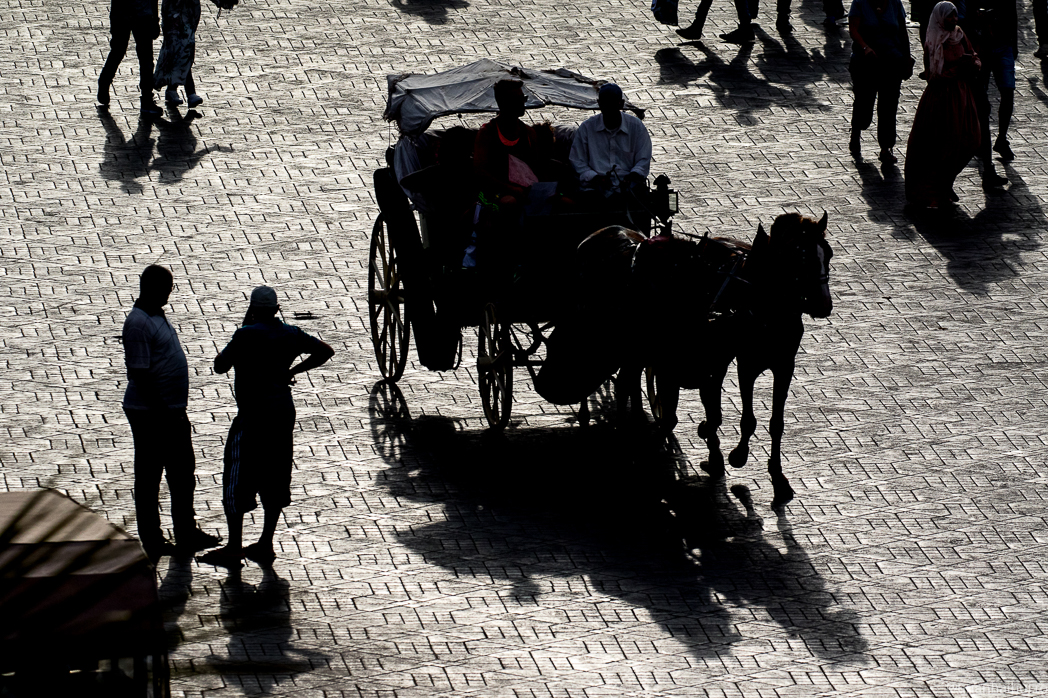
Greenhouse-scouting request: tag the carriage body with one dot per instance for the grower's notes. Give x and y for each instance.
(419, 278)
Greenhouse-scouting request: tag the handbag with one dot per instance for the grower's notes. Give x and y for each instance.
(665, 11)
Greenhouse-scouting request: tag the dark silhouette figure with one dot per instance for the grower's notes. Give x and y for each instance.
(155, 404)
(174, 65)
(879, 63)
(787, 275)
(127, 18)
(994, 31)
(945, 133)
(258, 454)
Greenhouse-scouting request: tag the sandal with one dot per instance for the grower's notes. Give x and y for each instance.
(223, 557)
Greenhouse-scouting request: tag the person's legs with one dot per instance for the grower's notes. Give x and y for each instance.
(119, 38)
(990, 177)
(694, 31)
(149, 468)
(887, 108)
(275, 484)
(144, 48)
(1004, 76)
(862, 112)
(744, 34)
(1040, 23)
(782, 14)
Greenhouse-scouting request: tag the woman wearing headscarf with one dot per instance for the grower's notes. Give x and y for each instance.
(945, 133)
(880, 62)
(174, 65)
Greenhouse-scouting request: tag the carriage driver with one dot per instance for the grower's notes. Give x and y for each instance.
(612, 149)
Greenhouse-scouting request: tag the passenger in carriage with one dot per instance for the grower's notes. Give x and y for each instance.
(506, 149)
(612, 150)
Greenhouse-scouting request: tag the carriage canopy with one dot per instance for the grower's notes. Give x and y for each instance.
(414, 100)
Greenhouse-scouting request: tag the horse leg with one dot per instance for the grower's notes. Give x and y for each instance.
(783, 491)
(747, 377)
(710, 392)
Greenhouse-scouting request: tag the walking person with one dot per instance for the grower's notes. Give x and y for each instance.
(946, 132)
(129, 18)
(174, 65)
(880, 61)
(1040, 25)
(995, 36)
(155, 404)
(259, 449)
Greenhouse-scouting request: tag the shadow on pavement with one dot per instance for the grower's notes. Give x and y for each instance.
(430, 11)
(261, 653)
(125, 161)
(530, 505)
(980, 250)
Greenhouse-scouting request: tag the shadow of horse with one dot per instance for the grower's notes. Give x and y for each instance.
(535, 506)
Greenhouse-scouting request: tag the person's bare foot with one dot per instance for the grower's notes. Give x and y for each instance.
(222, 557)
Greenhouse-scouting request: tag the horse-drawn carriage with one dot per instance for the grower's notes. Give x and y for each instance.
(433, 271)
(678, 307)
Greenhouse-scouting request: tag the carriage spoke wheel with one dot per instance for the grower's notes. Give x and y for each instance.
(495, 368)
(390, 330)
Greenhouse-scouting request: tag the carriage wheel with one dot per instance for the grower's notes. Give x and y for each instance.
(390, 331)
(653, 396)
(495, 369)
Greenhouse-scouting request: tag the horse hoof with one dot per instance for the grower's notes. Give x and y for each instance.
(783, 491)
(738, 457)
(714, 470)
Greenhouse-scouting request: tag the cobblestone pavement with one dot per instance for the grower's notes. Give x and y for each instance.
(424, 557)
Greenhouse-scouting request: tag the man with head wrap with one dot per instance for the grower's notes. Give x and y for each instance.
(259, 448)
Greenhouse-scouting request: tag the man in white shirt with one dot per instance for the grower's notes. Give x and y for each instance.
(612, 150)
(155, 404)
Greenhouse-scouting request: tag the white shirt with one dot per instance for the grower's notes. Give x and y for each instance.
(150, 343)
(598, 151)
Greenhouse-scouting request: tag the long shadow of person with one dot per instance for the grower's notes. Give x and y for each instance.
(261, 654)
(123, 161)
(986, 249)
(174, 591)
(430, 11)
(176, 148)
(677, 69)
(525, 508)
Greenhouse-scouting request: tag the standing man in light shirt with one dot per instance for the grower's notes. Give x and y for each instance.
(612, 150)
(155, 404)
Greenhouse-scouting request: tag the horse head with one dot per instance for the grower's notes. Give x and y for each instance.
(802, 260)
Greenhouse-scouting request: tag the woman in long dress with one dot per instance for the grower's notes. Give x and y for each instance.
(174, 65)
(945, 133)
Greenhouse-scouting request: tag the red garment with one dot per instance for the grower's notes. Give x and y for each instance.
(491, 154)
(945, 133)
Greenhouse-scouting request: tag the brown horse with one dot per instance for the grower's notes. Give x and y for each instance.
(784, 276)
(638, 302)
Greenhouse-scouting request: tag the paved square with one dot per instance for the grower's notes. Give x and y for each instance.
(422, 557)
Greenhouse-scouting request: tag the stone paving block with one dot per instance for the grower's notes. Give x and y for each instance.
(418, 559)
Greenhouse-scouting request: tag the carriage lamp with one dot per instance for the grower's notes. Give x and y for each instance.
(667, 198)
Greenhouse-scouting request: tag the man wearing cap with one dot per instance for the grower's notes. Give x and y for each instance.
(259, 448)
(612, 150)
(155, 404)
